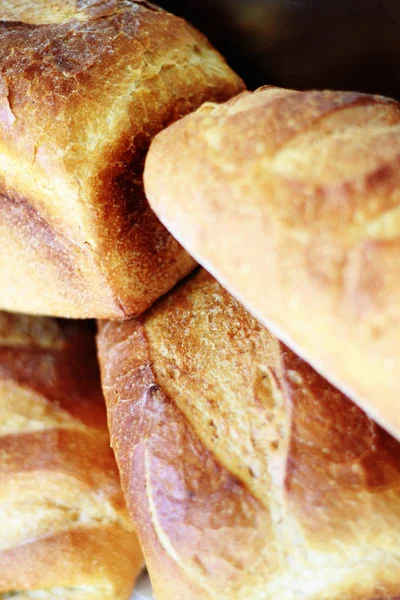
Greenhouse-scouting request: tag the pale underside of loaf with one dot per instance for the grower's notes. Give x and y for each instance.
(294, 207)
(64, 529)
(83, 89)
(247, 474)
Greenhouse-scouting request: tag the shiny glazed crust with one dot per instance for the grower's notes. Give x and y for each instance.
(247, 474)
(64, 528)
(84, 86)
(291, 199)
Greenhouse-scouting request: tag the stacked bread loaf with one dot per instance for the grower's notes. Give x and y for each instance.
(246, 475)
(64, 528)
(84, 87)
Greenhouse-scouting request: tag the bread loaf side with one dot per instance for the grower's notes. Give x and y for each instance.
(84, 86)
(291, 199)
(64, 528)
(247, 474)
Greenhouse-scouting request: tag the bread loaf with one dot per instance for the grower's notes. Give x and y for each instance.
(247, 474)
(291, 200)
(83, 88)
(64, 528)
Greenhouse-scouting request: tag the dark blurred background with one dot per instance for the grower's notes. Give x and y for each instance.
(343, 44)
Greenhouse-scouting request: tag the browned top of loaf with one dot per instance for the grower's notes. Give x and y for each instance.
(262, 480)
(294, 206)
(77, 76)
(83, 87)
(65, 530)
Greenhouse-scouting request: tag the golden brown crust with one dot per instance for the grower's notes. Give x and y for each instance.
(84, 86)
(192, 516)
(294, 207)
(247, 474)
(63, 520)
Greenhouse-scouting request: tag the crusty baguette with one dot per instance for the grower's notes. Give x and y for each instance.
(64, 528)
(291, 199)
(247, 474)
(83, 88)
